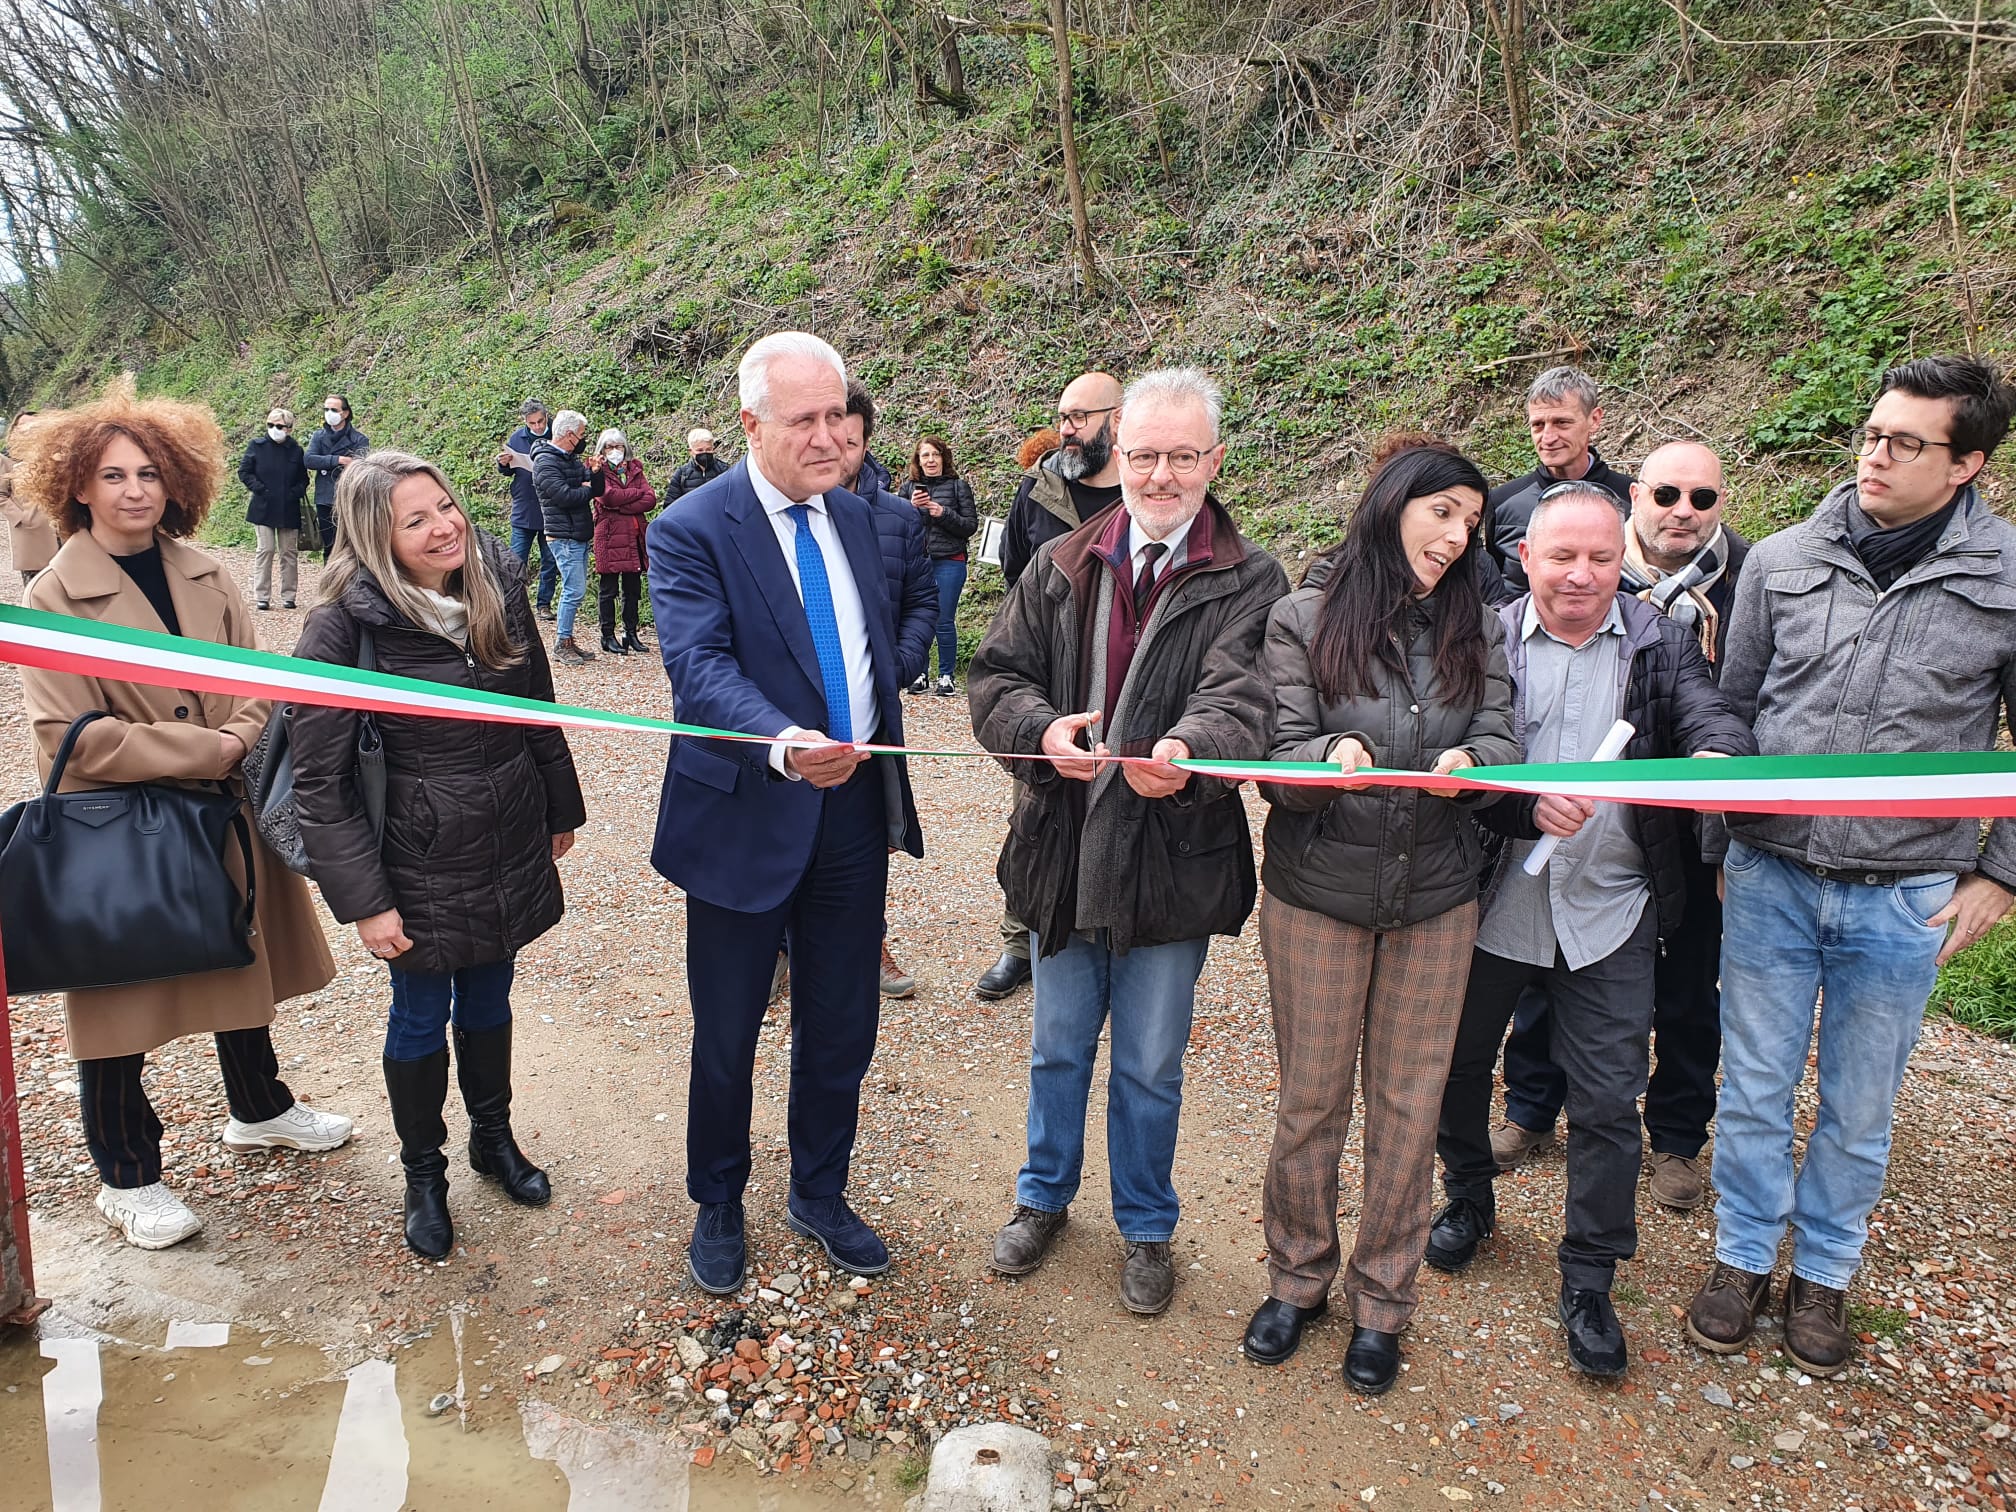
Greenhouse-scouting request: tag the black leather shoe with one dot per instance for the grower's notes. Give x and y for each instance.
(1372, 1363)
(417, 1090)
(717, 1258)
(1459, 1228)
(631, 642)
(483, 1067)
(612, 646)
(1003, 977)
(1595, 1337)
(1275, 1331)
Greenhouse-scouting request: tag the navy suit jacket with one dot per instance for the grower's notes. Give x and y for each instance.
(738, 650)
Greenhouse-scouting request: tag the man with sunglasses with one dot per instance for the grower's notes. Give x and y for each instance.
(1067, 486)
(1680, 558)
(1885, 622)
(1138, 634)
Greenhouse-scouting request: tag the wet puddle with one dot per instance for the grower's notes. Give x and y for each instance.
(215, 1417)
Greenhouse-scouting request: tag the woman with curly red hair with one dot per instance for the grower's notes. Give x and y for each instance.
(126, 483)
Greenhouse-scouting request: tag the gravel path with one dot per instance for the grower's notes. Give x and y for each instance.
(832, 1375)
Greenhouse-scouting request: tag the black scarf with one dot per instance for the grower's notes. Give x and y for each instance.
(1889, 554)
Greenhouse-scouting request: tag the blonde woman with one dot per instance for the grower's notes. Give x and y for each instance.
(126, 483)
(476, 814)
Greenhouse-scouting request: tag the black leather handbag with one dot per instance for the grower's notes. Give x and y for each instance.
(269, 774)
(121, 884)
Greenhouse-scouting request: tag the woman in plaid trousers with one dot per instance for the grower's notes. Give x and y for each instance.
(1387, 655)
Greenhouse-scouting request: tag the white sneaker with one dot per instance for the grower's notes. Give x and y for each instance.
(150, 1217)
(299, 1128)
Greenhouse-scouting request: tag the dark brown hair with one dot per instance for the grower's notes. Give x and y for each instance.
(63, 449)
(944, 450)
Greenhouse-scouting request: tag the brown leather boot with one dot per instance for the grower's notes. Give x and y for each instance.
(1723, 1314)
(1025, 1239)
(567, 649)
(1816, 1327)
(1147, 1279)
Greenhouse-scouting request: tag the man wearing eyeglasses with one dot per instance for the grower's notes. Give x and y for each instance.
(1680, 558)
(1564, 414)
(1067, 486)
(1136, 635)
(1885, 622)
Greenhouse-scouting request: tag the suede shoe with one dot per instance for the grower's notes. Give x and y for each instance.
(717, 1259)
(1816, 1327)
(1511, 1143)
(1025, 1239)
(896, 982)
(1003, 977)
(1147, 1278)
(1459, 1228)
(1372, 1363)
(1595, 1337)
(1676, 1182)
(849, 1243)
(1724, 1312)
(1275, 1331)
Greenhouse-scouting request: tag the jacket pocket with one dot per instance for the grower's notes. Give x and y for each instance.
(411, 824)
(708, 768)
(1798, 612)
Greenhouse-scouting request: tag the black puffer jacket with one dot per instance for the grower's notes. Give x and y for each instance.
(703, 469)
(1380, 858)
(471, 806)
(275, 473)
(945, 535)
(1671, 699)
(568, 488)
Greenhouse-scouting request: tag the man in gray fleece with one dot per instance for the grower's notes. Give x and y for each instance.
(1885, 622)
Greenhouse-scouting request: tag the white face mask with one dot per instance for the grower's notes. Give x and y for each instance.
(277, 432)
(333, 418)
(616, 454)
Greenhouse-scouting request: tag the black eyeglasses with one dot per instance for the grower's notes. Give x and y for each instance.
(1666, 495)
(1903, 448)
(1076, 418)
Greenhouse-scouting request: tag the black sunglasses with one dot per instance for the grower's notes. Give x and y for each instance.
(1666, 495)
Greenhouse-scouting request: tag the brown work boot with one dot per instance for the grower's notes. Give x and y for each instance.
(1676, 1181)
(1511, 1143)
(1723, 1314)
(1025, 1239)
(1147, 1278)
(896, 982)
(567, 649)
(1816, 1327)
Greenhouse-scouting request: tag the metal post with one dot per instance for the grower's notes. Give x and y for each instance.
(18, 1302)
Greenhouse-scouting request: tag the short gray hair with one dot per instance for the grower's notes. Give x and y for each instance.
(753, 373)
(567, 422)
(608, 438)
(533, 407)
(698, 434)
(1581, 491)
(1182, 385)
(1559, 383)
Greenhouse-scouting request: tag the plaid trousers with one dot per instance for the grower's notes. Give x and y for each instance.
(1343, 995)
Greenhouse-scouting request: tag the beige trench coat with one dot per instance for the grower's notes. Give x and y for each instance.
(162, 734)
(29, 532)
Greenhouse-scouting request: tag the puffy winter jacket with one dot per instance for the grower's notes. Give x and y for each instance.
(945, 535)
(471, 805)
(620, 517)
(913, 592)
(568, 488)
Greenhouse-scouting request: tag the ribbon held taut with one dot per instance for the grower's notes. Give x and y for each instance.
(1926, 785)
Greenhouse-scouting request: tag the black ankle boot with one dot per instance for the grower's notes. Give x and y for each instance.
(631, 642)
(417, 1089)
(483, 1065)
(611, 645)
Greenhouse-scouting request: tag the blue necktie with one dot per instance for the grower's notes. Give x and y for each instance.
(818, 596)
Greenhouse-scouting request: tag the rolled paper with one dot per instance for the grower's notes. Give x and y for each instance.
(1611, 748)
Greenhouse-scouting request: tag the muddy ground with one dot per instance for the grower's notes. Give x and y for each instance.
(843, 1386)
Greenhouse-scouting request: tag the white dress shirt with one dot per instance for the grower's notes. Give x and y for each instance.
(1137, 542)
(848, 611)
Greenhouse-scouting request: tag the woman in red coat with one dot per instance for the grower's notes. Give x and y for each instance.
(621, 513)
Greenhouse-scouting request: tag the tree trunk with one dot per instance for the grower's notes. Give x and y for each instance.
(293, 164)
(472, 136)
(1074, 183)
(1507, 19)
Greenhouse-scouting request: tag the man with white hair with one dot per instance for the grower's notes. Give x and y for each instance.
(703, 467)
(1137, 635)
(774, 619)
(568, 489)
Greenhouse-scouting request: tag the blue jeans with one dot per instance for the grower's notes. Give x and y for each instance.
(573, 556)
(522, 541)
(1148, 993)
(1788, 936)
(478, 998)
(951, 579)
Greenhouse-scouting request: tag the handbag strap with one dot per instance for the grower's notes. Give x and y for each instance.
(244, 833)
(367, 661)
(69, 743)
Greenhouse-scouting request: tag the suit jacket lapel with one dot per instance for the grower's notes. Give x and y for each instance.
(756, 539)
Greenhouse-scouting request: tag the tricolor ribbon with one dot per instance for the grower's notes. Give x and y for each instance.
(1927, 785)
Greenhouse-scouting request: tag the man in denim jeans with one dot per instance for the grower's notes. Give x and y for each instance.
(1885, 622)
(1137, 634)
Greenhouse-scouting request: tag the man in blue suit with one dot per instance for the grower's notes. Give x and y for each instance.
(774, 618)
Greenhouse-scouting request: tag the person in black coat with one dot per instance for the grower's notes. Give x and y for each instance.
(704, 466)
(332, 448)
(528, 524)
(945, 500)
(1564, 411)
(568, 488)
(477, 813)
(275, 473)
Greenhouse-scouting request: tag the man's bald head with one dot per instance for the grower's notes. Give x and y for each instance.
(1676, 504)
(1094, 390)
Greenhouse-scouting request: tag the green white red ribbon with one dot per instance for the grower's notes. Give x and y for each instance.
(1928, 785)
